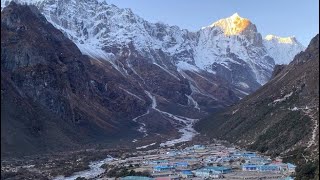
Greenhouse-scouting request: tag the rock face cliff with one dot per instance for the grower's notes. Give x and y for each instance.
(280, 118)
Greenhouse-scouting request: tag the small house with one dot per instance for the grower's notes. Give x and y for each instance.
(199, 147)
(162, 168)
(250, 167)
(269, 168)
(203, 173)
(249, 154)
(218, 169)
(160, 162)
(181, 164)
(135, 178)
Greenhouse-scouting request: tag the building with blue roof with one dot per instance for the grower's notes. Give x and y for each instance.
(269, 168)
(218, 169)
(181, 164)
(205, 173)
(249, 154)
(199, 147)
(261, 168)
(162, 168)
(162, 162)
(257, 160)
(136, 178)
(250, 167)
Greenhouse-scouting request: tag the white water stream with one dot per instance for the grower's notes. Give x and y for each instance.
(94, 170)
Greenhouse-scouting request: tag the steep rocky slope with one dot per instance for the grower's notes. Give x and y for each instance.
(54, 97)
(282, 117)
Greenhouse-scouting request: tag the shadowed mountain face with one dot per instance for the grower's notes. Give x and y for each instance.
(54, 97)
(282, 117)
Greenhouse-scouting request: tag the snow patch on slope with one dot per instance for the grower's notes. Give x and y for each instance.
(181, 65)
(283, 98)
(143, 147)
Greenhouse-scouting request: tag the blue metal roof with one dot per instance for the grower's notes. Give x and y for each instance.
(136, 178)
(207, 171)
(162, 167)
(187, 172)
(217, 168)
(250, 165)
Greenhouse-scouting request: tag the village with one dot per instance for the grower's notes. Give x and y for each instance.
(214, 161)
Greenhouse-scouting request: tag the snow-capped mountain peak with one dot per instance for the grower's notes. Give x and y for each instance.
(233, 25)
(282, 49)
(282, 40)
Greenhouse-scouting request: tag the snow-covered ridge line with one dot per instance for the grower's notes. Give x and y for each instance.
(284, 40)
(97, 27)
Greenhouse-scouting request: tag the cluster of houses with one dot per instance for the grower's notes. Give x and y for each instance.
(273, 167)
(201, 162)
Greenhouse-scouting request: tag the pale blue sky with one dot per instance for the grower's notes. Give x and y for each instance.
(279, 17)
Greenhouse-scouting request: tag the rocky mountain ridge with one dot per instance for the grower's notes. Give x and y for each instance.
(231, 48)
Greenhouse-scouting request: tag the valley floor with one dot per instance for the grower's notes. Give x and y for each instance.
(189, 160)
